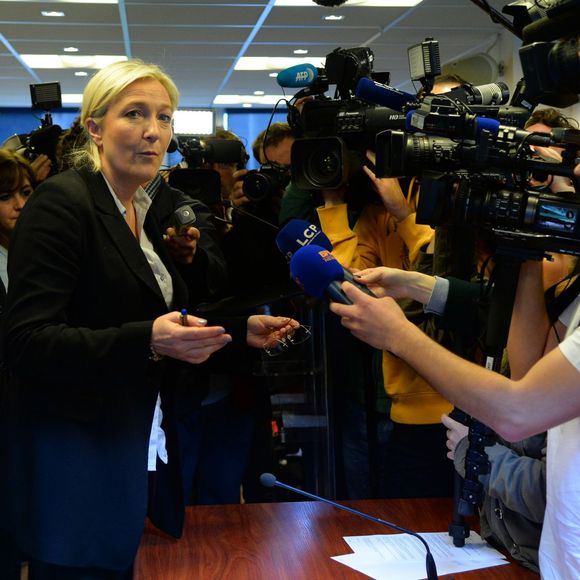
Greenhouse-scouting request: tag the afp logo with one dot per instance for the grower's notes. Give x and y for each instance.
(304, 76)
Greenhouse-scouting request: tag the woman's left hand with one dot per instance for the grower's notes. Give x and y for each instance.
(266, 331)
(182, 248)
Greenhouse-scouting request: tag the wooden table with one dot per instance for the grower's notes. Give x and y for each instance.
(287, 541)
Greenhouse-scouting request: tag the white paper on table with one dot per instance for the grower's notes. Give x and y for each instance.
(402, 556)
(415, 570)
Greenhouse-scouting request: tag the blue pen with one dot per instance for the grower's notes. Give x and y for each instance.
(183, 317)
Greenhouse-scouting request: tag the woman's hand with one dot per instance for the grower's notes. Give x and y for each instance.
(455, 433)
(267, 331)
(193, 343)
(183, 247)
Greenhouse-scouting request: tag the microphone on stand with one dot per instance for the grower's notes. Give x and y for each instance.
(269, 480)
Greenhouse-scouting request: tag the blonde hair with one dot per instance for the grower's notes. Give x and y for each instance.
(103, 88)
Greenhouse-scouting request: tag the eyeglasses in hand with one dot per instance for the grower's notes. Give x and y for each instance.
(299, 335)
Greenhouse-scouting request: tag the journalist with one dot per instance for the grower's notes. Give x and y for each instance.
(92, 341)
(544, 393)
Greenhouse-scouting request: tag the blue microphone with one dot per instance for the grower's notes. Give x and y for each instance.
(297, 76)
(384, 95)
(299, 233)
(269, 480)
(319, 273)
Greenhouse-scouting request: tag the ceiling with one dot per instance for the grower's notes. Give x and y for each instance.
(199, 43)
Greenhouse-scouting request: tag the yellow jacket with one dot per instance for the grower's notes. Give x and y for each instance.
(379, 240)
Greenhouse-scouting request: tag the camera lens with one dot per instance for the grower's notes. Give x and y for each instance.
(256, 186)
(324, 166)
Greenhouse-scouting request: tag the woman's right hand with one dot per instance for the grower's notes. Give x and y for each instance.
(194, 343)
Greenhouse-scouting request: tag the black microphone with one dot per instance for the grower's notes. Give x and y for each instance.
(269, 480)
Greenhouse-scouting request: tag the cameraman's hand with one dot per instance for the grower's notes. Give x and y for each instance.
(390, 191)
(265, 331)
(41, 167)
(182, 248)
(238, 197)
(397, 283)
(455, 433)
(194, 343)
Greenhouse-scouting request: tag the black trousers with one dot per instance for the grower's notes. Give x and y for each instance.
(417, 464)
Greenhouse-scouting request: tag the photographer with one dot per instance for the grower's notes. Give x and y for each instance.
(543, 393)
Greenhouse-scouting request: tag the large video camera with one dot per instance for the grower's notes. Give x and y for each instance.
(475, 163)
(549, 55)
(333, 134)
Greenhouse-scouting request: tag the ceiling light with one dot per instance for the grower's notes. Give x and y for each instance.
(333, 17)
(259, 93)
(253, 99)
(70, 49)
(81, 73)
(353, 3)
(57, 61)
(275, 63)
(247, 105)
(273, 75)
(52, 13)
(300, 51)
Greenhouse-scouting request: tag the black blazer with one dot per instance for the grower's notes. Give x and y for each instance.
(82, 390)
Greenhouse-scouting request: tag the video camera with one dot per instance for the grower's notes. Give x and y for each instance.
(333, 134)
(268, 181)
(475, 161)
(549, 54)
(44, 140)
(197, 180)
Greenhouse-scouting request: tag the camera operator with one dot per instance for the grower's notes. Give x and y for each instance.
(543, 393)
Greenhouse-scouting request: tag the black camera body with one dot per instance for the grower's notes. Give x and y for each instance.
(268, 181)
(333, 134)
(198, 152)
(549, 54)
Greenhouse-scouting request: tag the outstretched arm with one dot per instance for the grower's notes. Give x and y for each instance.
(549, 394)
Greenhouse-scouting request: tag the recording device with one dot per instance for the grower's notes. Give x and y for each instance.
(334, 133)
(184, 217)
(482, 182)
(549, 53)
(269, 480)
(297, 234)
(270, 180)
(44, 140)
(299, 76)
(198, 152)
(320, 274)
(197, 180)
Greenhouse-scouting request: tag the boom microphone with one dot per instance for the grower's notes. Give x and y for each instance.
(299, 233)
(384, 95)
(269, 480)
(297, 76)
(319, 273)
